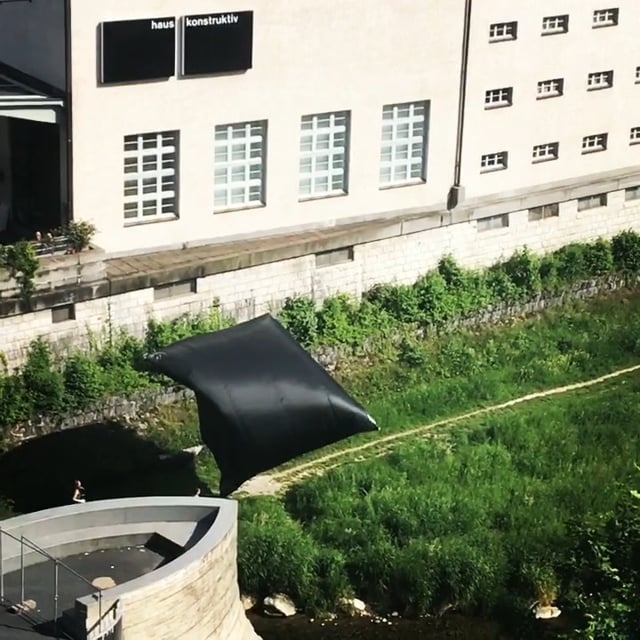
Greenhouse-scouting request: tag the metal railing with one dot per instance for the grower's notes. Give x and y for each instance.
(102, 627)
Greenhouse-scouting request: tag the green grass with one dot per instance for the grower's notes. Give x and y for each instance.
(485, 519)
(465, 370)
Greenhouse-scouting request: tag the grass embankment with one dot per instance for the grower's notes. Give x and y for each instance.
(423, 381)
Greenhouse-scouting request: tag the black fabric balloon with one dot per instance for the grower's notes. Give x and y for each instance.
(262, 399)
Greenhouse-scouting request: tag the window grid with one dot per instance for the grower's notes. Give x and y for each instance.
(501, 31)
(599, 80)
(239, 165)
(323, 154)
(637, 75)
(493, 162)
(605, 18)
(550, 88)
(545, 152)
(592, 202)
(150, 175)
(402, 153)
(552, 25)
(634, 135)
(544, 212)
(594, 143)
(495, 98)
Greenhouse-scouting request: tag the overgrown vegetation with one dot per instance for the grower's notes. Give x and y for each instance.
(387, 321)
(524, 506)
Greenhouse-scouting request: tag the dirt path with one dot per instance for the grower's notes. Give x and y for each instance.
(275, 482)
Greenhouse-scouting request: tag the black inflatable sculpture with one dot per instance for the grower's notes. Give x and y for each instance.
(262, 399)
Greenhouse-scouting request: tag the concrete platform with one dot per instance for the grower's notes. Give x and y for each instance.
(121, 565)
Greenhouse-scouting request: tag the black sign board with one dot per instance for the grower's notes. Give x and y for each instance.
(217, 43)
(136, 50)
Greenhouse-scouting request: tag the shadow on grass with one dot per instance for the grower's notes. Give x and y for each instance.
(112, 461)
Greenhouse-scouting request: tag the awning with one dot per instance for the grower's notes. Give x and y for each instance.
(18, 100)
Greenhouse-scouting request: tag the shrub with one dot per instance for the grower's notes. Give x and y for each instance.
(523, 269)
(336, 321)
(83, 381)
(598, 258)
(43, 385)
(434, 300)
(298, 315)
(399, 301)
(571, 263)
(14, 403)
(503, 289)
(625, 248)
(550, 281)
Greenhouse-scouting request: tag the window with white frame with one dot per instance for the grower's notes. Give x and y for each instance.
(592, 202)
(594, 143)
(491, 223)
(496, 98)
(600, 80)
(632, 193)
(605, 18)
(239, 165)
(550, 88)
(544, 212)
(552, 25)
(151, 176)
(545, 152)
(634, 135)
(637, 75)
(404, 149)
(324, 154)
(501, 31)
(494, 161)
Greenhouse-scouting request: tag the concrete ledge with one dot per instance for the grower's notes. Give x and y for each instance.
(195, 595)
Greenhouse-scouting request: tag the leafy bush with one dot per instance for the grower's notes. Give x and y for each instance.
(598, 258)
(298, 315)
(571, 263)
(625, 248)
(523, 269)
(83, 381)
(43, 384)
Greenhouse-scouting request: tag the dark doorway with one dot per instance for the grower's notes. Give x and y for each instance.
(35, 171)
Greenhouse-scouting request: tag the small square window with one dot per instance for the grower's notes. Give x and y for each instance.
(595, 143)
(637, 75)
(63, 313)
(592, 202)
(334, 257)
(605, 18)
(600, 80)
(494, 161)
(552, 25)
(493, 222)
(496, 98)
(634, 135)
(632, 193)
(501, 31)
(545, 152)
(550, 88)
(544, 212)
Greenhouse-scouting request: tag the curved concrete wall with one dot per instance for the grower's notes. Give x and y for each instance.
(195, 596)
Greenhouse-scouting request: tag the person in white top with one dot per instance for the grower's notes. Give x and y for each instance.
(79, 493)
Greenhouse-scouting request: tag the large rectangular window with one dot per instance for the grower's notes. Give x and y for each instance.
(324, 153)
(552, 25)
(151, 176)
(500, 31)
(403, 150)
(550, 88)
(594, 143)
(494, 161)
(239, 165)
(605, 18)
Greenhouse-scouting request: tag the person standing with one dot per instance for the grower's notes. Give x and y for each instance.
(79, 493)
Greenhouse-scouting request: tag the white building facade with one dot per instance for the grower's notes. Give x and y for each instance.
(452, 126)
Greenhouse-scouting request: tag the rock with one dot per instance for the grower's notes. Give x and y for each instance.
(248, 602)
(279, 605)
(353, 607)
(546, 612)
(194, 451)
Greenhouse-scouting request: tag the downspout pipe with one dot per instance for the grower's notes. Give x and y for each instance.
(68, 110)
(456, 193)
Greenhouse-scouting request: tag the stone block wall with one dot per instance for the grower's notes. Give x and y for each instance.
(254, 290)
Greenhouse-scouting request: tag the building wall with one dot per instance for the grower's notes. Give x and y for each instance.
(521, 64)
(5, 165)
(248, 292)
(32, 39)
(309, 57)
